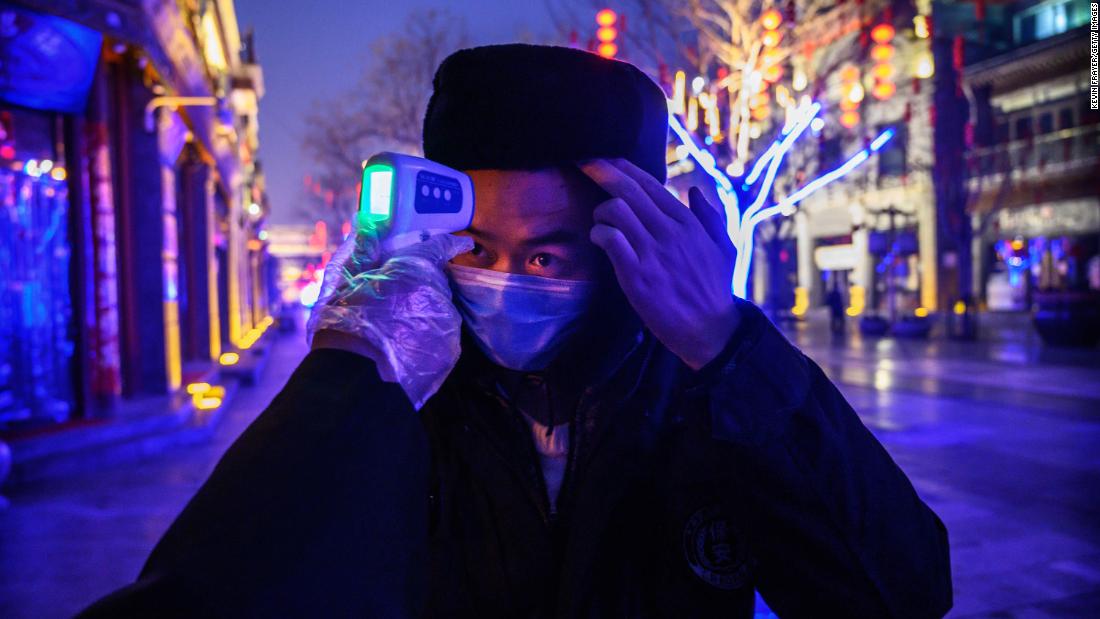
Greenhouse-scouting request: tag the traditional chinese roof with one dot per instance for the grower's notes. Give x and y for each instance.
(1053, 57)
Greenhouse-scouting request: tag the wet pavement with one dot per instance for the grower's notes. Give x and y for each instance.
(1000, 437)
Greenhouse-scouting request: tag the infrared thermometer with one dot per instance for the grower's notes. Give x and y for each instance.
(410, 199)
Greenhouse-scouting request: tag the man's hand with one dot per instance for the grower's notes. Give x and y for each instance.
(675, 264)
(393, 308)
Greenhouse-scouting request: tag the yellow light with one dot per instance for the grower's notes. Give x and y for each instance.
(207, 404)
(607, 50)
(847, 105)
(799, 81)
(771, 19)
(882, 53)
(801, 301)
(857, 299)
(606, 17)
(849, 119)
(920, 27)
(217, 391)
(679, 90)
(921, 312)
(884, 90)
(883, 71)
(290, 274)
(760, 113)
(856, 93)
(229, 358)
(197, 388)
(925, 68)
(771, 38)
(783, 96)
(172, 352)
(849, 73)
(1017, 244)
(693, 114)
(714, 126)
(606, 34)
(882, 33)
(212, 43)
(59, 174)
(960, 308)
(773, 73)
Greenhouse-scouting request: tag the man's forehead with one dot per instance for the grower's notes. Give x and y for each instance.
(529, 194)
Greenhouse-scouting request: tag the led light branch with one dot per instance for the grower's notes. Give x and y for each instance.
(741, 226)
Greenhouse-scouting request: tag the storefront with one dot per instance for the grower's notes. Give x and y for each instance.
(1050, 247)
(48, 68)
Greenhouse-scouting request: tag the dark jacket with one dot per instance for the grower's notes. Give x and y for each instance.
(684, 491)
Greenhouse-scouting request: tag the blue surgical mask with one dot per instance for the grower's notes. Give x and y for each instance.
(521, 322)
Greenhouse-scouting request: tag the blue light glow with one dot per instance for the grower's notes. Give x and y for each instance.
(741, 227)
(881, 140)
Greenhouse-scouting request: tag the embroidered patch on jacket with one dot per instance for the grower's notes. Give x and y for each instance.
(714, 551)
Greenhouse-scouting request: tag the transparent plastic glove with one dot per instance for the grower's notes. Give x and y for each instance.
(399, 303)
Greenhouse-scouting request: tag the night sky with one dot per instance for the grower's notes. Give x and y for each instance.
(316, 53)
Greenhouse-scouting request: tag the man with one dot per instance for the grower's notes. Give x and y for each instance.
(618, 436)
(836, 308)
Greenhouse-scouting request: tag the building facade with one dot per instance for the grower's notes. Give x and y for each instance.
(132, 203)
(873, 234)
(1031, 167)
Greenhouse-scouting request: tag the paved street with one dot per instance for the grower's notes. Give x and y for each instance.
(999, 438)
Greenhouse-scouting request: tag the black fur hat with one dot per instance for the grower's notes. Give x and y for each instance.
(525, 107)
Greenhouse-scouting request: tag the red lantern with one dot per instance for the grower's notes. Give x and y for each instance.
(607, 33)
(882, 53)
(882, 33)
(883, 90)
(883, 71)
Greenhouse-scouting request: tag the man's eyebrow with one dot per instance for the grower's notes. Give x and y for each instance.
(554, 237)
(481, 233)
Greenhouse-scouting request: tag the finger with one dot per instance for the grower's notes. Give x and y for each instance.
(710, 219)
(440, 248)
(657, 192)
(618, 249)
(617, 214)
(615, 182)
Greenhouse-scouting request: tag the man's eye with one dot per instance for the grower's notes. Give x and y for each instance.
(478, 250)
(542, 260)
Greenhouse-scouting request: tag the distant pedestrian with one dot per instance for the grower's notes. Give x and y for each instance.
(836, 310)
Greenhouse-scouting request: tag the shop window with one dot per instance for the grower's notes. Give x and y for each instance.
(36, 326)
(1065, 118)
(891, 159)
(1046, 122)
(1048, 19)
(1024, 128)
(1089, 116)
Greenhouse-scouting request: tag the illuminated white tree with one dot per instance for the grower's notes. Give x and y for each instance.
(748, 201)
